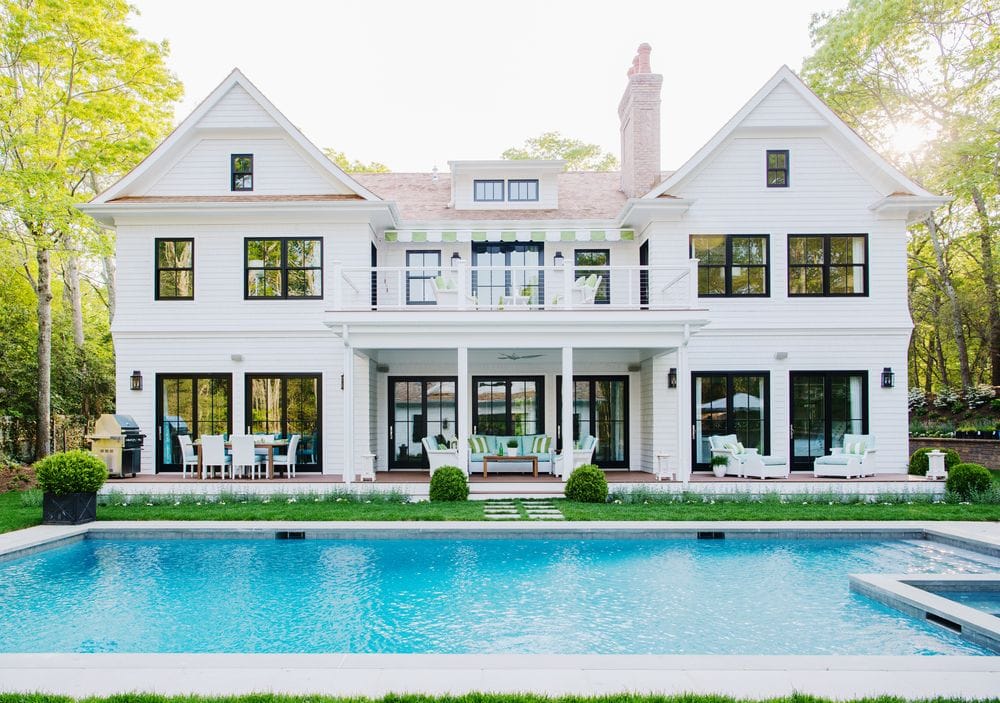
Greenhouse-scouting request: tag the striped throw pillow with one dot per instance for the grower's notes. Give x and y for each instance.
(541, 445)
(477, 444)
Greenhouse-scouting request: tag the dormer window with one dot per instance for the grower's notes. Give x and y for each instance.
(522, 190)
(488, 191)
(777, 169)
(241, 170)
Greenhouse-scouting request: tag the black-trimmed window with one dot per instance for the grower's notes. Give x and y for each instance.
(585, 258)
(286, 404)
(487, 191)
(174, 269)
(732, 265)
(600, 408)
(283, 267)
(241, 171)
(827, 265)
(522, 189)
(777, 168)
(421, 268)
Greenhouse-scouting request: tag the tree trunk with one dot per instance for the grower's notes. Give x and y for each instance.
(956, 316)
(929, 380)
(110, 282)
(74, 296)
(990, 282)
(44, 410)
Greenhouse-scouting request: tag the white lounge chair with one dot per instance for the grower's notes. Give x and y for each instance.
(244, 456)
(189, 457)
(446, 293)
(583, 292)
(855, 458)
(290, 458)
(213, 453)
(438, 456)
(745, 462)
(583, 453)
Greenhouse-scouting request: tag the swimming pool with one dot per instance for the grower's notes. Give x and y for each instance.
(460, 595)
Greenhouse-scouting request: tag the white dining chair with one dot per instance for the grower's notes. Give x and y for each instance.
(245, 457)
(288, 460)
(213, 453)
(189, 457)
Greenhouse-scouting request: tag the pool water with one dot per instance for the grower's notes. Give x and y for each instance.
(986, 601)
(451, 596)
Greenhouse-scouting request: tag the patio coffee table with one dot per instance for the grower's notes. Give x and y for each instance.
(523, 457)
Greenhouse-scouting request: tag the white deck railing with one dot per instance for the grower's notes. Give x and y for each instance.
(514, 287)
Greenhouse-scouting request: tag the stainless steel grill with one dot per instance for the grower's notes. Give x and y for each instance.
(117, 441)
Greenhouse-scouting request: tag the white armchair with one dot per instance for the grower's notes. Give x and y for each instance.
(583, 292)
(747, 462)
(438, 456)
(582, 454)
(855, 458)
(446, 293)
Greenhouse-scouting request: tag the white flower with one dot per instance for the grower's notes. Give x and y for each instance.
(291, 500)
(222, 502)
(198, 503)
(177, 502)
(149, 504)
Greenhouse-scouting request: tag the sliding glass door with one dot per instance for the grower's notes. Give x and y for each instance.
(729, 403)
(287, 404)
(508, 405)
(189, 404)
(419, 407)
(489, 286)
(825, 405)
(600, 408)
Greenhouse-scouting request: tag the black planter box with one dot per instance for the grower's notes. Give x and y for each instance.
(69, 509)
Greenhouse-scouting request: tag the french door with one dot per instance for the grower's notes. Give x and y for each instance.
(507, 406)
(419, 407)
(189, 404)
(287, 404)
(600, 408)
(729, 403)
(825, 405)
(501, 280)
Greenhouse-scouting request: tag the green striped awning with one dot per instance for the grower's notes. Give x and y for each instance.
(509, 235)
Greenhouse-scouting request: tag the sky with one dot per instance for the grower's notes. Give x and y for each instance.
(414, 85)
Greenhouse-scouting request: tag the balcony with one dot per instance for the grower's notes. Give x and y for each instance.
(515, 288)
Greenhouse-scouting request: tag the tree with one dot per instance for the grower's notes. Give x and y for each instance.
(340, 158)
(82, 100)
(928, 69)
(579, 156)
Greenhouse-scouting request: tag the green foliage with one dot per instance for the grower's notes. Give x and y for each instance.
(75, 471)
(449, 484)
(349, 166)
(919, 461)
(966, 480)
(720, 460)
(587, 484)
(578, 155)
(512, 444)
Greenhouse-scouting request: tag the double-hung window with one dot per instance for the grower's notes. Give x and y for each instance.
(174, 269)
(241, 171)
(421, 268)
(731, 265)
(487, 191)
(777, 168)
(827, 264)
(284, 267)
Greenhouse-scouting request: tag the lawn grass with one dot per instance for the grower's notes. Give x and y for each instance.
(466, 698)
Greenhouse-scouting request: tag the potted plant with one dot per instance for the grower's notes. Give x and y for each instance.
(511, 447)
(720, 462)
(69, 482)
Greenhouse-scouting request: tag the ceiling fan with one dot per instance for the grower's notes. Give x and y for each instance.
(514, 356)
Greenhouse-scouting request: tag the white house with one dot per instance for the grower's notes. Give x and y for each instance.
(759, 290)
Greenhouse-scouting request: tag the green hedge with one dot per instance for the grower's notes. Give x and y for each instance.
(71, 472)
(587, 484)
(968, 480)
(449, 484)
(919, 461)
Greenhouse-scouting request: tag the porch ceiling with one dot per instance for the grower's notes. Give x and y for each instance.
(526, 360)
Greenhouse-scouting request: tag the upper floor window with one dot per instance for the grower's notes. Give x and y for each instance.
(241, 171)
(174, 269)
(421, 268)
(522, 189)
(777, 169)
(583, 259)
(284, 268)
(827, 264)
(488, 191)
(731, 265)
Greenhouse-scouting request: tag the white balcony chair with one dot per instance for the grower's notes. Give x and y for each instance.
(213, 453)
(438, 456)
(189, 457)
(446, 293)
(583, 292)
(289, 458)
(246, 457)
(855, 458)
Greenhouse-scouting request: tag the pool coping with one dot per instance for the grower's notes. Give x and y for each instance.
(754, 676)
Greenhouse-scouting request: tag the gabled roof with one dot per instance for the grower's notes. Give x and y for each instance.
(186, 127)
(785, 76)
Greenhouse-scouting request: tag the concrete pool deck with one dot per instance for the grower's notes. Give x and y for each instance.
(378, 674)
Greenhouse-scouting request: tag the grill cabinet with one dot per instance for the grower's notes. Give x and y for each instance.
(118, 443)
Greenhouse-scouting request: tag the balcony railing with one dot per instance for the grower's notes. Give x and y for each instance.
(522, 288)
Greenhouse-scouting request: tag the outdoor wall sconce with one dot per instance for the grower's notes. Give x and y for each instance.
(558, 259)
(672, 378)
(888, 378)
(135, 381)
(341, 381)
(455, 258)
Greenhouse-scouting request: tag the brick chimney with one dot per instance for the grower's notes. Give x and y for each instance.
(639, 112)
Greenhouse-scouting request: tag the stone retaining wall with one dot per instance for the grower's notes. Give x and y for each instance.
(978, 451)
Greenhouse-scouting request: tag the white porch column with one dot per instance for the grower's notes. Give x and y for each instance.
(567, 412)
(348, 409)
(463, 421)
(684, 419)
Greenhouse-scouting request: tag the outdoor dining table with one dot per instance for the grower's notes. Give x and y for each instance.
(269, 445)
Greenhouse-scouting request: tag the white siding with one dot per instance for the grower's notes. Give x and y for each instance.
(236, 109)
(548, 191)
(784, 107)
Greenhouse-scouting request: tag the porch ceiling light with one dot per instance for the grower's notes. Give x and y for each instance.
(672, 378)
(888, 378)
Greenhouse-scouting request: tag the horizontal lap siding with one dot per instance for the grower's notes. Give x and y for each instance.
(237, 110)
(783, 107)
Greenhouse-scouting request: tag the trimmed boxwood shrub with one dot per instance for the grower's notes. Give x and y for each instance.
(919, 461)
(587, 484)
(449, 484)
(76, 471)
(966, 480)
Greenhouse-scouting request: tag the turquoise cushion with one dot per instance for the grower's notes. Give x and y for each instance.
(836, 459)
(477, 459)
